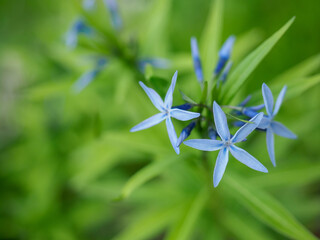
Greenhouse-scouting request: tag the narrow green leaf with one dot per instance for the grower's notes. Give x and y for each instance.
(248, 65)
(149, 225)
(301, 70)
(185, 225)
(186, 98)
(301, 175)
(146, 174)
(267, 208)
(210, 39)
(236, 118)
(243, 228)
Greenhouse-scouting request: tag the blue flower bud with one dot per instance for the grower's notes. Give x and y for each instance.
(185, 133)
(196, 60)
(245, 101)
(78, 27)
(224, 54)
(84, 80)
(249, 112)
(114, 13)
(212, 133)
(225, 72)
(185, 106)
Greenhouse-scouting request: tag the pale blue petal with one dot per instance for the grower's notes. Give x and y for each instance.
(245, 158)
(169, 96)
(270, 146)
(279, 100)
(246, 129)
(172, 135)
(154, 120)
(116, 20)
(221, 123)
(282, 130)
(183, 115)
(154, 97)
(71, 38)
(84, 81)
(204, 144)
(268, 98)
(220, 167)
(196, 59)
(265, 123)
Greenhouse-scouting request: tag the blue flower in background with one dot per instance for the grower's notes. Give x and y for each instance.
(88, 77)
(160, 63)
(196, 60)
(166, 112)
(224, 54)
(77, 28)
(225, 73)
(88, 4)
(116, 20)
(227, 144)
(269, 124)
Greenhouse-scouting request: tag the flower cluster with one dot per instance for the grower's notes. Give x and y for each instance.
(120, 49)
(217, 130)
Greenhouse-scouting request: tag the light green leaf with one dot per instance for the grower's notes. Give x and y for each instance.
(267, 208)
(185, 225)
(301, 175)
(301, 70)
(150, 224)
(210, 39)
(186, 98)
(146, 174)
(248, 65)
(243, 228)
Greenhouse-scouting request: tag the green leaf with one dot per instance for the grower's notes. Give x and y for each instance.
(146, 174)
(210, 39)
(301, 175)
(301, 70)
(248, 65)
(150, 224)
(266, 208)
(185, 225)
(186, 98)
(243, 228)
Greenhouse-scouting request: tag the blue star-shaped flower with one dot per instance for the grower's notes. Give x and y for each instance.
(269, 124)
(227, 144)
(166, 112)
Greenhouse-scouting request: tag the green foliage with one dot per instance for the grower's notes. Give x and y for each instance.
(65, 158)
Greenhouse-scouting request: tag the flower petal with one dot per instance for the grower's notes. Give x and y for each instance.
(245, 158)
(268, 98)
(183, 115)
(246, 129)
(172, 135)
(221, 123)
(155, 119)
(169, 96)
(270, 146)
(154, 97)
(265, 122)
(279, 100)
(204, 144)
(282, 130)
(220, 167)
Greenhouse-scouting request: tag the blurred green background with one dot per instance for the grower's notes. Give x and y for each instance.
(65, 157)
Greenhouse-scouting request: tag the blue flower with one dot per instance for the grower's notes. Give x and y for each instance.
(78, 27)
(196, 60)
(269, 124)
(224, 54)
(88, 4)
(227, 144)
(88, 77)
(114, 13)
(166, 112)
(160, 63)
